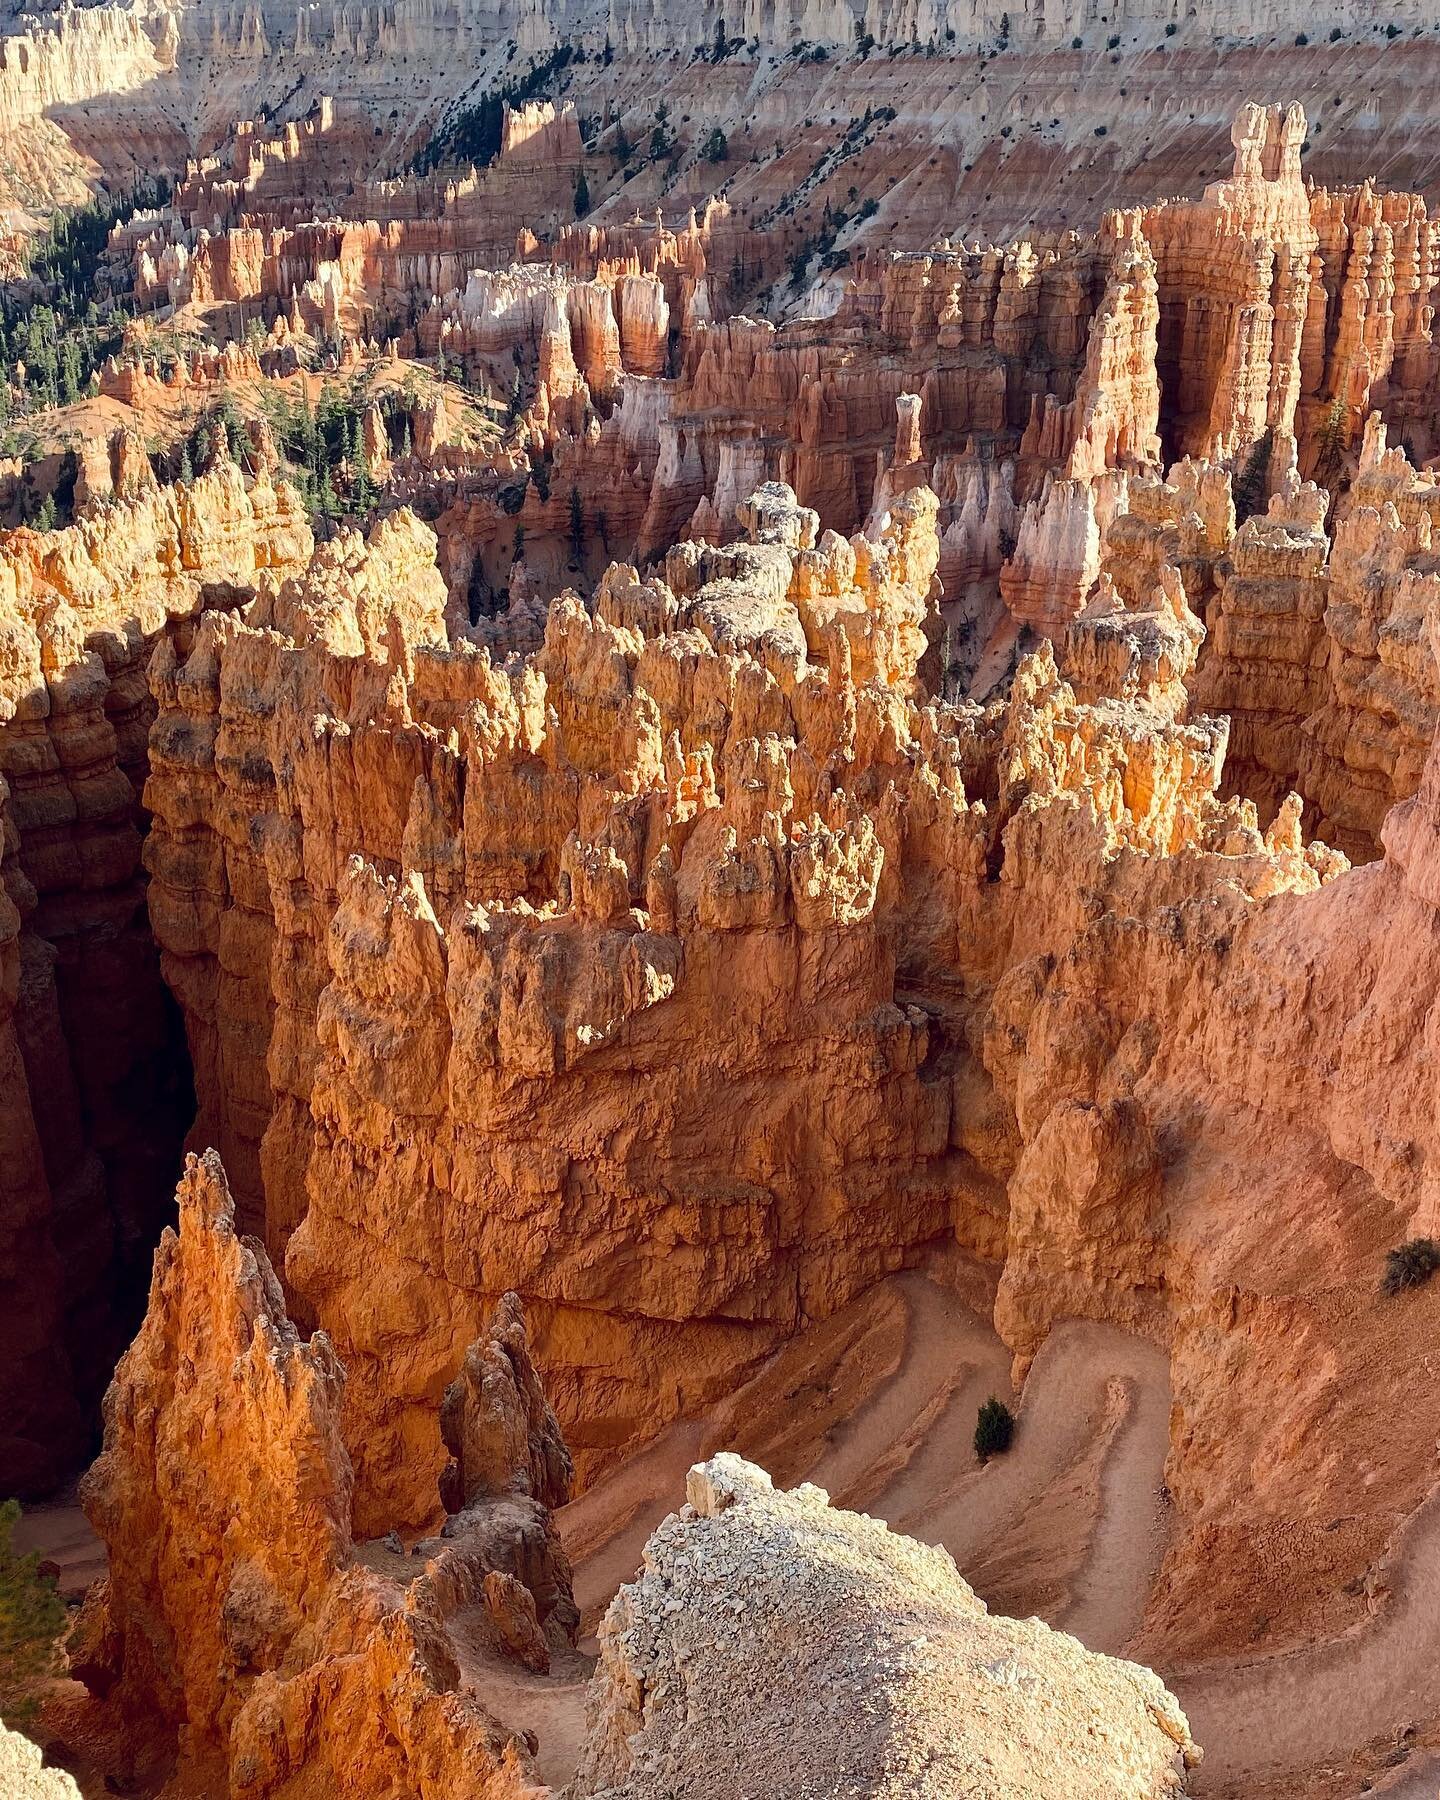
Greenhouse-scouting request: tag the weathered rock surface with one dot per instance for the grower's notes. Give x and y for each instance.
(23, 1775)
(775, 1645)
(238, 1638)
(96, 1086)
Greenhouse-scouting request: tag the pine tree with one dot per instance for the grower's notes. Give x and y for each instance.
(1250, 483)
(582, 195)
(32, 1617)
(577, 525)
(45, 516)
(1330, 439)
(187, 468)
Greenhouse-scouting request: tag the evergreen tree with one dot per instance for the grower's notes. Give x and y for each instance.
(32, 1617)
(577, 525)
(1330, 440)
(582, 195)
(187, 468)
(1250, 483)
(45, 514)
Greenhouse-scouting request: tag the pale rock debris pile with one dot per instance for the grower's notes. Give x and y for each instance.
(22, 1776)
(776, 1646)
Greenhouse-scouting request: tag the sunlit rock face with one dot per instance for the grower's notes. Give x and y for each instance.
(651, 744)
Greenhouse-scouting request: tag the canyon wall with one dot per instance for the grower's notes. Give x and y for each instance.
(97, 1083)
(521, 930)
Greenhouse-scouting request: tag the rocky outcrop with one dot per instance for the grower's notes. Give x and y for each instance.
(97, 1079)
(23, 1775)
(509, 1469)
(774, 1644)
(238, 1638)
(684, 851)
(1319, 648)
(501, 1431)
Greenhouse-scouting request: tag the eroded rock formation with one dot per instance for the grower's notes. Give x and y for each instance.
(239, 1638)
(774, 1644)
(817, 749)
(95, 1084)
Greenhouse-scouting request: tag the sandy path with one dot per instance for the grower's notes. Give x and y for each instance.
(551, 1706)
(1125, 1553)
(1312, 1704)
(1084, 1376)
(61, 1534)
(947, 1348)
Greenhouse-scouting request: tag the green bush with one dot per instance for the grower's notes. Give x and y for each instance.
(994, 1428)
(1410, 1266)
(32, 1616)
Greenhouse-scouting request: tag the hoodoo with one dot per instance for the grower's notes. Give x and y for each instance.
(719, 861)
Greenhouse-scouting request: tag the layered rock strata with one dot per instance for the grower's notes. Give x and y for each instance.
(96, 1083)
(710, 840)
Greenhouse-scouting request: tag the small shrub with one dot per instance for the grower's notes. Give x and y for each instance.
(1077, 43)
(1171, 29)
(994, 1428)
(1100, 130)
(1392, 30)
(1410, 1266)
(1300, 38)
(1336, 34)
(1113, 43)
